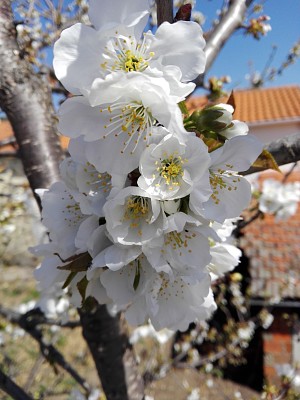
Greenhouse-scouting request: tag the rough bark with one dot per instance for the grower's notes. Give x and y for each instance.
(26, 100)
(113, 355)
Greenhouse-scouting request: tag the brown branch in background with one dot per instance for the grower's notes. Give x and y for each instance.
(164, 11)
(184, 13)
(11, 388)
(285, 151)
(37, 317)
(228, 24)
(50, 353)
(9, 141)
(243, 223)
(285, 178)
(33, 372)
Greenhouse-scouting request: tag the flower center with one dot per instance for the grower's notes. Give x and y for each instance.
(132, 121)
(136, 210)
(170, 169)
(125, 54)
(133, 63)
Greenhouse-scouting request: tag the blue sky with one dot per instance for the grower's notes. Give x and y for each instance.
(240, 50)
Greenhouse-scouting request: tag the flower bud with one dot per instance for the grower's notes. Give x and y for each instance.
(214, 118)
(184, 13)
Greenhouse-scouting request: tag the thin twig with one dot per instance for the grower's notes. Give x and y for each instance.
(289, 172)
(243, 223)
(12, 389)
(34, 370)
(50, 353)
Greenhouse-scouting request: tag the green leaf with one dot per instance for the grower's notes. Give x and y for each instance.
(69, 279)
(137, 276)
(82, 285)
(79, 263)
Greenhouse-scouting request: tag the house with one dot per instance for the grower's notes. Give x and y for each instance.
(273, 247)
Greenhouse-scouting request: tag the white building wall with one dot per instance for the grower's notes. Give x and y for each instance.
(271, 131)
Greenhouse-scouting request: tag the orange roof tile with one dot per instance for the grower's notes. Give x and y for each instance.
(6, 133)
(259, 105)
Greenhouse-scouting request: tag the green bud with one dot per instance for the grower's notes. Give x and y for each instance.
(214, 118)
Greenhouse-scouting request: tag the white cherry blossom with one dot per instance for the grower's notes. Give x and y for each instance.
(83, 53)
(184, 248)
(167, 301)
(231, 192)
(279, 199)
(132, 217)
(124, 125)
(170, 169)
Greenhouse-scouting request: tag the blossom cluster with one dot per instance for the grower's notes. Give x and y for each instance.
(142, 214)
(279, 199)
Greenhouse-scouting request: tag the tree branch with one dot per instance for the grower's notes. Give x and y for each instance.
(229, 22)
(12, 389)
(50, 353)
(164, 11)
(285, 151)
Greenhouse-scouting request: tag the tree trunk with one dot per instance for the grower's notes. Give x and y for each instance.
(113, 355)
(26, 100)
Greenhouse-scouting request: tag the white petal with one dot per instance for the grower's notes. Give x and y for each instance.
(231, 202)
(238, 128)
(85, 232)
(171, 47)
(96, 290)
(77, 57)
(77, 117)
(179, 304)
(47, 273)
(225, 258)
(116, 256)
(237, 154)
(109, 14)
